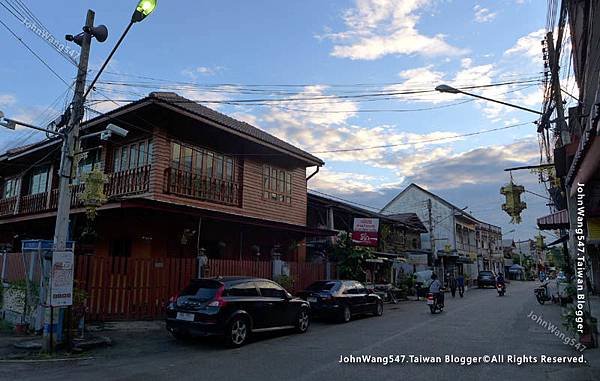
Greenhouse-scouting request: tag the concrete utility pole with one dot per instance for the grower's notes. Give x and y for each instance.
(553, 59)
(70, 142)
(431, 239)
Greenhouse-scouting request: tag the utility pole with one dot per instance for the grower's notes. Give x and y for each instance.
(431, 235)
(553, 59)
(70, 142)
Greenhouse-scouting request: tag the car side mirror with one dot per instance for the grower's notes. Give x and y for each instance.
(288, 296)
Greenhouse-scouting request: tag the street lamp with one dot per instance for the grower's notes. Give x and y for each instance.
(143, 10)
(453, 90)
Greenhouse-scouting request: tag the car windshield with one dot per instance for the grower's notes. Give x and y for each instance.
(200, 290)
(485, 273)
(322, 286)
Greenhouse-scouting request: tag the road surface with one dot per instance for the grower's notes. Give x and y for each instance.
(479, 324)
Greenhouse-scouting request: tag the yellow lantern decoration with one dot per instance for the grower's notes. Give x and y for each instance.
(539, 242)
(513, 206)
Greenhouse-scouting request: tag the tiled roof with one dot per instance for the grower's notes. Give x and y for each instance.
(227, 121)
(410, 219)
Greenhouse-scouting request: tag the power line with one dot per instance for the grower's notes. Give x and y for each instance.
(424, 141)
(328, 98)
(34, 53)
(23, 14)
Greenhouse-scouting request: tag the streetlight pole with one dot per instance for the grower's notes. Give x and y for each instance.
(71, 141)
(70, 138)
(452, 90)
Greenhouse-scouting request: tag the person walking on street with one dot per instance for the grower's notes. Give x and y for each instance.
(452, 284)
(460, 284)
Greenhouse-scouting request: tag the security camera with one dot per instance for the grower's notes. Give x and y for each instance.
(117, 130)
(105, 135)
(1, 115)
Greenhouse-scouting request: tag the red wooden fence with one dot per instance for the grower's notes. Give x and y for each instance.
(224, 267)
(120, 288)
(128, 288)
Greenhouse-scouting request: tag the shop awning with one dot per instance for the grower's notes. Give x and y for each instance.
(562, 239)
(390, 255)
(558, 220)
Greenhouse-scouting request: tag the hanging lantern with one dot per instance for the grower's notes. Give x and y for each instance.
(539, 242)
(513, 206)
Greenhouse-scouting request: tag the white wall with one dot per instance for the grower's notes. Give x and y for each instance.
(414, 200)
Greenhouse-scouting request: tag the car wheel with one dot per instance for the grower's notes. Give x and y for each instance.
(303, 321)
(180, 336)
(346, 315)
(378, 309)
(237, 332)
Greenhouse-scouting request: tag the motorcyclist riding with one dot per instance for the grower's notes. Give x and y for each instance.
(435, 288)
(500, 281)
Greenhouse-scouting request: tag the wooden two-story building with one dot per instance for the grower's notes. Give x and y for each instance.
(186, 177)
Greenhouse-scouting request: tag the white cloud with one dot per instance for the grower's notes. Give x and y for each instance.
(328, 110)
(529, 45)
(376, 28)
(483, 15)
(328, 180)
(7, 100)
(202, 70)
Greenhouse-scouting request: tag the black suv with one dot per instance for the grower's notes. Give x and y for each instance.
(486, 278)
(234, 307)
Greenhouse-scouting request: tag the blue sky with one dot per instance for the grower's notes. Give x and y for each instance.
(327, 48)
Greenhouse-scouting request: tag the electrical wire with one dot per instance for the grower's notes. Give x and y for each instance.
(24, 15)
(34, 53)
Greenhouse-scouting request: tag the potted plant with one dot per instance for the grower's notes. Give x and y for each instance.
(26, 298)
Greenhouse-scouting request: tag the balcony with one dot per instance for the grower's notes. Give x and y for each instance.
(119, 184)
(465, 247)
(203, 188)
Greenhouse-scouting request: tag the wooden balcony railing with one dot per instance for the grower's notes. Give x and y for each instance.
(199, 187)
(128, 182)
(33, 203)
(133, 181)
(7, 206)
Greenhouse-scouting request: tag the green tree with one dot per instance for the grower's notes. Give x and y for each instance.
(350, 258)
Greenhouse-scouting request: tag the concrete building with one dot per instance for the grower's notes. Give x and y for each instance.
(460, 241)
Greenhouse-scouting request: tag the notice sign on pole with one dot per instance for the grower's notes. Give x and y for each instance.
(61, 279)
(366, 231)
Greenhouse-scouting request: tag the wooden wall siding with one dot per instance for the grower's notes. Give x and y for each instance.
(252, 204)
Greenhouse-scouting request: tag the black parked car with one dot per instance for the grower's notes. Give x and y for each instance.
(234, 307)
(486, 278)
(341, 299)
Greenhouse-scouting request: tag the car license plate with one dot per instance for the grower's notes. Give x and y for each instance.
(429, 301)
(185, 316)
(311, 299)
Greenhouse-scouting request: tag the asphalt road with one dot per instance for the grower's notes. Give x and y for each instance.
(480, 324)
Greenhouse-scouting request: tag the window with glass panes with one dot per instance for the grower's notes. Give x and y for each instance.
(277, 184)
(133, 155)
(38, 180)
(87, 164)
(202, 162)
(10, 188)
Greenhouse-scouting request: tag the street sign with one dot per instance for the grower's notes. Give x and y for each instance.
(61, 279)
(366, 231)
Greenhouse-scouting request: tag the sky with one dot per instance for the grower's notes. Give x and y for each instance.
(337, 75)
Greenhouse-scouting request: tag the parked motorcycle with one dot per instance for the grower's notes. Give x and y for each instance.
(501, 289)
(541, 293)
(433, 303)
